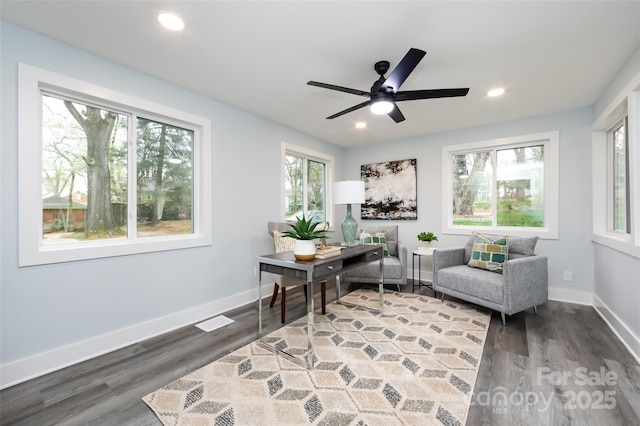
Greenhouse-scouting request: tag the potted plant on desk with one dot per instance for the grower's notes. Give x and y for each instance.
(426, 238)
(304, 231)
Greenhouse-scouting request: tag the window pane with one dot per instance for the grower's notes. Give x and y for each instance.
(520, 186)
(293, 186)
(164, 179)
(620, 183)
(472, 189)
(316, 191)
(84, 172)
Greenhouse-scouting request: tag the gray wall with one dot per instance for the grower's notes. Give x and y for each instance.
(569, 252)
(48, 307)
(617, 275)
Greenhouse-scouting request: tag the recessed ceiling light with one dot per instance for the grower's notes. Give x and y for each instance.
(495, 92)
(361, 125)
(171, 21)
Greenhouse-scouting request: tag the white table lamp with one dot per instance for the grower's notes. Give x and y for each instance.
(349, 192)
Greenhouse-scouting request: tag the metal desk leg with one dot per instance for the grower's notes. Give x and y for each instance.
(381, 284)
(303, 363)
(310, 321)
(380, 292)
(259, 302)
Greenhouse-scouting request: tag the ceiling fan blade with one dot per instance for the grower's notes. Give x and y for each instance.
(338, 88)
(396, 114)
(404, 68)
(411, 95)
(348, 110)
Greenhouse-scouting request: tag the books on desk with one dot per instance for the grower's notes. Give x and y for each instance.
(326, 252)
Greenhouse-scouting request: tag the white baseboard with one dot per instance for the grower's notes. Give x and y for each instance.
(570, 296)
(56, 359)
(47, 362)
(619, 328)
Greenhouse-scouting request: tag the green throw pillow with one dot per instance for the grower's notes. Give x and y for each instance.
(376, 239)
(489, 253)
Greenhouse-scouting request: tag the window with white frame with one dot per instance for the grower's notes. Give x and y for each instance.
(507, 185)
(619, 199)
(107, 175)
(306, 184)
(616, 168)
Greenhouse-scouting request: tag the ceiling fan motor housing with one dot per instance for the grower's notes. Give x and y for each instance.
(381, 67)
(385, 91)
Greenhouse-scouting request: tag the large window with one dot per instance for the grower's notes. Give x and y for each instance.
(504, 185)
(109, 175)
(620, 196)
(616, 170)
(306, 180)
(616, 167)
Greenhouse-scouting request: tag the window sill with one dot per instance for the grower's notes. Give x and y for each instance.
(542, 233)
(618, 244)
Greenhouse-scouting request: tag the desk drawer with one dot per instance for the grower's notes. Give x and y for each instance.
(329, 268)
(374, 255)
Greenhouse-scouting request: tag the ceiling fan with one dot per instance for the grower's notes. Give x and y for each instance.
(384, 92)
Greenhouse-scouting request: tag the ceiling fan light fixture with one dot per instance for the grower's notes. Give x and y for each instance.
(381, 107)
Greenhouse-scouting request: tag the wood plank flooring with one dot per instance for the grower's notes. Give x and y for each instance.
(538, 370)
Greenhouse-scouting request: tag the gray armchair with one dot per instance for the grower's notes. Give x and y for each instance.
(522, 285)
(395, 265)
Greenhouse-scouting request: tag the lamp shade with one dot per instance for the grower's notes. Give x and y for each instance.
(348, 192)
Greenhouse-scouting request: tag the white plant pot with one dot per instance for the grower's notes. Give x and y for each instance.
(304, 250)
(425, 244)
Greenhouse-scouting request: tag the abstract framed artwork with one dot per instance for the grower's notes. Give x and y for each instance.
(390, 190)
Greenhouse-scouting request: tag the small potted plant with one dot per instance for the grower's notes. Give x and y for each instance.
(304, 231)
(426, 238)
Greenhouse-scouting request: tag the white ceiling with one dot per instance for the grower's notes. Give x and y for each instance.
(258, 56)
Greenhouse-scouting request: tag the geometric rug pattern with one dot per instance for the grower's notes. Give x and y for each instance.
(414, 364)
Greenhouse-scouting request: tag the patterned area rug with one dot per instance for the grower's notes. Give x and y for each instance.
(414, 364)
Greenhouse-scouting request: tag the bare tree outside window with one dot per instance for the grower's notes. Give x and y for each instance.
(621, 206)
(315, 186)
(471, 183)
(305, 188)
(85, 164)
(164, 179)
(503, 187)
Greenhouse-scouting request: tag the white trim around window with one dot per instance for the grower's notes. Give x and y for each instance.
(329, 161)
(550, 141)
(31, 82)
(627, 102)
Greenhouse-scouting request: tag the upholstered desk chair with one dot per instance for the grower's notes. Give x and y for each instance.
(282, 244)
(395, 263)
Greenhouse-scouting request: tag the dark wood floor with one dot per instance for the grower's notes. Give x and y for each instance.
(520, 381)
